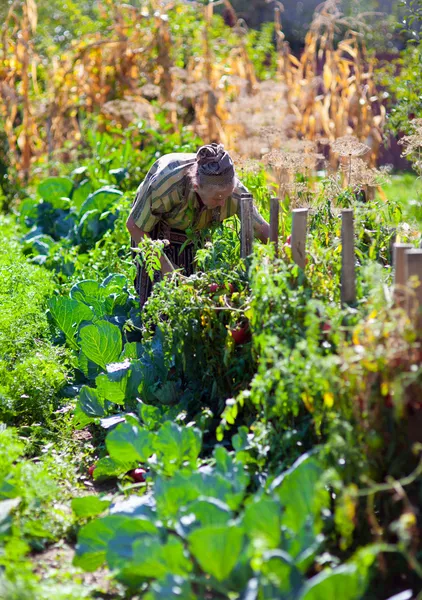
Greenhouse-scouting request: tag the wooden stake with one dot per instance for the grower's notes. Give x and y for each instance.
(400, 276)
(246, 225)
(413, 269)
(299, 236)
(274, 219)
(348, 283)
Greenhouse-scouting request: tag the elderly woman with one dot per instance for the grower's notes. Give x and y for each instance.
(185, 192)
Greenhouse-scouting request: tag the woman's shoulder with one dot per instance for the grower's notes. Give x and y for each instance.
(175, 160)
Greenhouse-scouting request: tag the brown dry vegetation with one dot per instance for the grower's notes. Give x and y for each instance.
(327, 93)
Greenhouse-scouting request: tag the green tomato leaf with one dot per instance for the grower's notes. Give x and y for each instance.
(217, 548)
(101, 342)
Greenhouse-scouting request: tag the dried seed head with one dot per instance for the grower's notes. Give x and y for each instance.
(413, 142)
(149, 90)
(348, 145)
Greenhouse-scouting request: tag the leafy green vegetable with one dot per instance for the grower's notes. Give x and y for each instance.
(101, 342)
(216, 548)
(128, 442)
(89, 506)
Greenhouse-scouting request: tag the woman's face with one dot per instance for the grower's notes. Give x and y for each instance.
(213, 196)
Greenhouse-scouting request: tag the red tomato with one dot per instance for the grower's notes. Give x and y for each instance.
(326, 327)
(91, 470)
(138, 475)
(231, 287)
(289, 240)
(240, 334)
(213, 287)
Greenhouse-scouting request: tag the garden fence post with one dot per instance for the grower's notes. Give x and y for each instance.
(246, 225)
(400, 277)
(348, 283)
(274, 219)
(413, 269)
(298, 241)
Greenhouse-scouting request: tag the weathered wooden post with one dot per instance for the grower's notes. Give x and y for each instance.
(246, 225)
(348, 283)
(400, 276)
(413, 269)
(274, 219)
(298, 242)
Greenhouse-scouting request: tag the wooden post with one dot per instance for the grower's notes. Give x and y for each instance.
(299, 236)
(348, 283)
(246, 225)
(393, 238)
(400, 276)
(274, 218)
(413, 269)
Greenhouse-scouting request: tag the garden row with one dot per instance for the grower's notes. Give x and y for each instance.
(260, 462)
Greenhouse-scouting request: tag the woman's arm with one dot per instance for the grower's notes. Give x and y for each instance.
(260, 226)
(137, 235)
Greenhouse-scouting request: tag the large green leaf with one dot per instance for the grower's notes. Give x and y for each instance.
(68, 315)
(173, 586)
(152, 559)
(129, 442)
(217, 548)
(81, 193)
(113, 384)
(100, 200)
(91, 402)
(299, 492)
(120, 550)
(114, 284)
(6, 509)
(262, 521)
(107, 468)
(280, 571)
(177, 445)
(89, 506)
(90, 293)
(93, 539)
(54, 188)
(201, 513)
(101, 342)
(344, 582)
(172, 494)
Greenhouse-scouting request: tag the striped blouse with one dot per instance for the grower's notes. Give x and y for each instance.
(166, 194)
